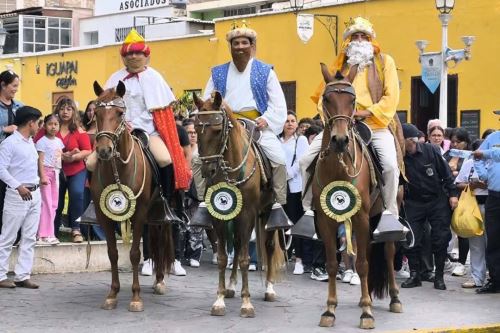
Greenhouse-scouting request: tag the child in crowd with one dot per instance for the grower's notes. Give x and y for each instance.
(49, 149)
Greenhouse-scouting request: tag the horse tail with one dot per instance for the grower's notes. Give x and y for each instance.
(378, 277)
(161, 246)
(277, 257)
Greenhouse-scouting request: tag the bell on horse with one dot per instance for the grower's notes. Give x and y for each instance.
(278, 219)
(389, 229)
(304, 228)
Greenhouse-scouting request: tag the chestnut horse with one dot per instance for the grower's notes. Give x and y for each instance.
(120, 160)
(227, 155)
(375, 271)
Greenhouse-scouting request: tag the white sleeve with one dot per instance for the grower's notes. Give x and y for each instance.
(463, 174)
(275, 115)
(209, 88)
(40, 145)
(5, 158)
(156, 91)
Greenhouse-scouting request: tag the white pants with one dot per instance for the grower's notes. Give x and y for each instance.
(24, 215)
(477, 247)
(383, 141)
(271, 146)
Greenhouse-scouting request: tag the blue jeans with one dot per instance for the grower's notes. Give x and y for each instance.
(75, 185)
(97, 232)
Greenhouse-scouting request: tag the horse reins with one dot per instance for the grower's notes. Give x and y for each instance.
(219, 158)
(114, 137)
(331, 120)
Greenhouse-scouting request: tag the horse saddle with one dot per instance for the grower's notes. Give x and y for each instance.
(143, 139)
(264, 163)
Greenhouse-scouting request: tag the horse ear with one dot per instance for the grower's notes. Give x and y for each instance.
(217, 100)
(97, 89)
(326, 73)
(120, 89)
(197, 101)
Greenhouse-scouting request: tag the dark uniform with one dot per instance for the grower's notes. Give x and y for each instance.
(427, 199)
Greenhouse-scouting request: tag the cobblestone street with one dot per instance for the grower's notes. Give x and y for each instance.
(70, 303)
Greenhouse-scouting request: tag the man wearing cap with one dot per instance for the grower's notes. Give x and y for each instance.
(487, 166)
(19, 170)
(252, 90)
(430, 195)
(375, 81)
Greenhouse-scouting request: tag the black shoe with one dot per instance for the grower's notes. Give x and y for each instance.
(489, 288)
(308, 269)
(427, 276)
(439, 283)
(413, 281)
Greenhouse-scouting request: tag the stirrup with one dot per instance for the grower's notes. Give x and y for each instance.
(304, 228)
(170, 216)
(278, 219)
(201, 217)
(389, 229)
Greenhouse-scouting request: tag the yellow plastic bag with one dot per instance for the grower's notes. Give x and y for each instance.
(467, 220)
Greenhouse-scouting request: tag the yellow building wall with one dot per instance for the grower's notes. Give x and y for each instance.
(185, 63)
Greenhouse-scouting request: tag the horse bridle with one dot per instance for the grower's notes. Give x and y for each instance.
(332, 87)
(115, 135)
(219, 157)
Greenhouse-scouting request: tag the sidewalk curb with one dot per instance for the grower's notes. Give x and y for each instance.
(490, 328)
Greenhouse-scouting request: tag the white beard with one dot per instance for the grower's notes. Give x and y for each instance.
(360, 53)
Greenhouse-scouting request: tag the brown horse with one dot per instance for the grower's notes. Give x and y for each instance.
(121, 161)
(227, 156)
(375, 271)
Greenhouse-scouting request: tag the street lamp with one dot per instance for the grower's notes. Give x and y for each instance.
(446, 55)
(296, 5)
(3, 35)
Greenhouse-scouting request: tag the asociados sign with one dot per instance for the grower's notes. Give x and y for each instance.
(140, 4)
(65, 72)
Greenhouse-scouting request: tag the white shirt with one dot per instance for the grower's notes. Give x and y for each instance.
(239, 95)
(18, 161)
(52, 151)
(145, 92)
(463, 176)
(298, 146)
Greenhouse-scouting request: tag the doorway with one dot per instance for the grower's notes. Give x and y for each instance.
(425, 105)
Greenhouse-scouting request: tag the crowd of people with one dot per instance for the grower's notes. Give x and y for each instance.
(57, 157)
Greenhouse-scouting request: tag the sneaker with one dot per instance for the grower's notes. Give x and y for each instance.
(319, 274)
(299, 268)
(470, 284)
(147, 268)
(194, 263)
(214, 259)
(459, 270)
(252, 267)
(355, 281)
(448, 266)
(177, 269)
(53, 241)
(402, 274)
(42, 241)
(346, 278)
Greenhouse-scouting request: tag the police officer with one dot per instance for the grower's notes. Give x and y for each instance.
(430, 196)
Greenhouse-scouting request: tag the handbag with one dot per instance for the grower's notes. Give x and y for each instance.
(467, 220)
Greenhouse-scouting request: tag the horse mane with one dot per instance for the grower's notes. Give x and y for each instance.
(230, 114)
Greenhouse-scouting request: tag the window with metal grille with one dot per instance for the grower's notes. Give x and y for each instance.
(240, 11)
(121, 33)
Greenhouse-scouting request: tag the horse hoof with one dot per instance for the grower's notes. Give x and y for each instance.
(229, 293)
(327, 321)
(396, 307)
(367, 323)
(269, 297)
(247, 312)
(109, 304)
(136, 306)
(160, 289)
(218, 311)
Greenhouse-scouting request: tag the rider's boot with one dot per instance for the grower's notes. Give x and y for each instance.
(414, 279)
(167, 186)
(439, 260)
(278, 218)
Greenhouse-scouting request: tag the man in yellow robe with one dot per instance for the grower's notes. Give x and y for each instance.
(375, 81)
